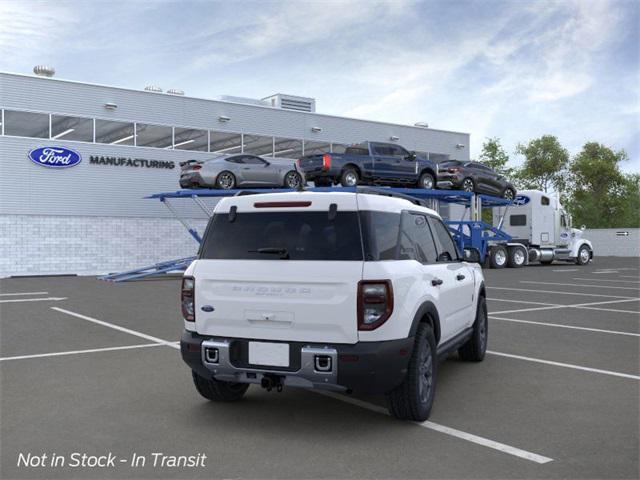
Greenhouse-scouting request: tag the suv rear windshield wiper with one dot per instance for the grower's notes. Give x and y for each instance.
(283, 252)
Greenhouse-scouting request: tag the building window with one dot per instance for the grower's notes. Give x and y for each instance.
(438, 157)
(313, 148)
(338, 147)
(225, 143)
(258, 145)
(157, 136)
(287, 148)
(190, 139)
(114, 133)
(26, 124)
(71, 128)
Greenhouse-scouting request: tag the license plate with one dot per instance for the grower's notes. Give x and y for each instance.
(273, 354)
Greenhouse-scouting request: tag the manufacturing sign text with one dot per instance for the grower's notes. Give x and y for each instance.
(55, 157)
(130, 162)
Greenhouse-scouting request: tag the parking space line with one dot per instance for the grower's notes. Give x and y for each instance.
(77, 352)
(573, 327)
(22, 293)
(47, 299)
(582, 285)
(118, 327)
(469, 437)
(566, 270)
(587, 306)
(628, 276)
(565, 365)
(522, 301)
(560, 293)
(604, 280)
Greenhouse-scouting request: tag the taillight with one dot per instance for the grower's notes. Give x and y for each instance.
(196, 167)
(375, 303)
(188, 296)
(454, 170)
(299, 162)
(326, 161)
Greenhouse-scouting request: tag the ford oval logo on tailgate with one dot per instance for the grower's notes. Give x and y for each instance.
(55, 157)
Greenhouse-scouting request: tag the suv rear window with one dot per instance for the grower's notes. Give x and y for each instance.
(302, 235)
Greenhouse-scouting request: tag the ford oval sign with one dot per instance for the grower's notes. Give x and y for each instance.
(55, 157)
(521, 200)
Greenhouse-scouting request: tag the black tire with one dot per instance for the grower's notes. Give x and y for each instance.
(517, 257)
(508, 194)
(584, 255)
(413, 399)
(292, 180)
(498, 256)
(217, 391)
(475, 348)
(427, 181)
(349, 177)
(468, 185)
(226, 180)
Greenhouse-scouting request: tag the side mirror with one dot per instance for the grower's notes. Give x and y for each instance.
(583, 228)
(412, 156)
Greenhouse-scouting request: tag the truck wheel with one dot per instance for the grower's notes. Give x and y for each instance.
(349, 178)
(217, 391)
(413, 399)
(517, 257)
(498, 256)
(474, 349)
(584, 255)
(226, 180)
(426, 181)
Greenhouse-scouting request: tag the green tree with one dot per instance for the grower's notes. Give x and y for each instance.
(545, 164)
(600, 195)
(494, 156)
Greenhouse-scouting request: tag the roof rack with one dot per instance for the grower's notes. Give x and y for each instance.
(390, 193)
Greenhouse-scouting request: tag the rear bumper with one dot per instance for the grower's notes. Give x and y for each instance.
(190, 180)
(450, 180)
(365, 367)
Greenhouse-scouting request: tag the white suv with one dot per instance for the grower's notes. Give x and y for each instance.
(347, 291)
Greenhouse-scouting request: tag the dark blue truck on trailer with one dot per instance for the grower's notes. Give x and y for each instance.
(370, 163)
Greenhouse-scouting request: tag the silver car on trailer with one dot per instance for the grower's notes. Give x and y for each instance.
(240, 170)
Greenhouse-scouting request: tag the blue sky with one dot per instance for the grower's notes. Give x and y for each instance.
(514, 70)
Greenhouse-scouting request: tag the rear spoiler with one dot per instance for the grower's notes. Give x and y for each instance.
(188, 162)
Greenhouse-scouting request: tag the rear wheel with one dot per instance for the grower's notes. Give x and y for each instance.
(474, 349)
(292, 180)
(217, 391)
(226, 180)
(509, 194)
(427, 181)
(517, 257)
(468, 185)
(498, 256)
(584, 255)
(349, 177)
(413, 399)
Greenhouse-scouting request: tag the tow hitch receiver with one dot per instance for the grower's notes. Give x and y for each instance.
(269, 382)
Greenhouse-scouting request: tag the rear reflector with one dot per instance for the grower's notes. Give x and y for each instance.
(281, 204)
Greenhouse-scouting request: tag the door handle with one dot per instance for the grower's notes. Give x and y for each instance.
(246, 168)
(460, 277)
(436, 281)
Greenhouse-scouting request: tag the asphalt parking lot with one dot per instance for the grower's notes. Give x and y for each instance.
(93, 367)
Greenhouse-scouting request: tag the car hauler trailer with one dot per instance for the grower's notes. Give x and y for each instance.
(540, 228)
(489, 245)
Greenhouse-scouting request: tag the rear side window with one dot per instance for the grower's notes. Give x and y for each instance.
(380, 231)
(357, 151)
(518, 220)
(446, 246)
(278, 235)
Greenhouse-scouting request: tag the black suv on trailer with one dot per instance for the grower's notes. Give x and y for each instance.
(474, 177)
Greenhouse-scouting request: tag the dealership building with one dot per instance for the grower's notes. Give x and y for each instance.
(92, 217)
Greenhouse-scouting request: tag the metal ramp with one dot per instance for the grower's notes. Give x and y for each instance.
(473, 233)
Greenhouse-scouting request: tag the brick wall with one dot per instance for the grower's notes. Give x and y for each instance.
(45, 245)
